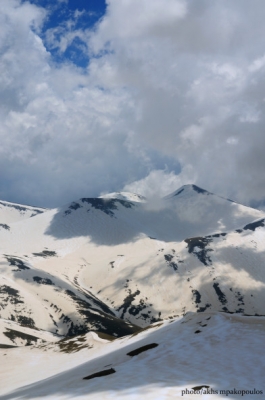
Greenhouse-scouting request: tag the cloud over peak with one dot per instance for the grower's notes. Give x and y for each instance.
(173, 93)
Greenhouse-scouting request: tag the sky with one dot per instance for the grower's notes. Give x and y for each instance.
(131, 95)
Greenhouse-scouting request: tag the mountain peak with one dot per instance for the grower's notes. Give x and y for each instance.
(188, 189)
(199, 190)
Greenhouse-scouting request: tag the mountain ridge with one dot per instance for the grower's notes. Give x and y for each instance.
(86, 285)
(106, 236)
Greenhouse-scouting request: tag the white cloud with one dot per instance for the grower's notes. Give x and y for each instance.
(171, 84)
(130, 19)
(232, 140)
(159, 183)
(257, 64)
(195, 88)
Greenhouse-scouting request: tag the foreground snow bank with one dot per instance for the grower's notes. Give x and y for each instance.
(218, 354)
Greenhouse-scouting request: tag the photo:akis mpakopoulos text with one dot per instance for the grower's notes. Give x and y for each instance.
(204, 390)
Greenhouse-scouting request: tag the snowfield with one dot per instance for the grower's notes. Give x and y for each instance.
(217, 350)
(84, 284)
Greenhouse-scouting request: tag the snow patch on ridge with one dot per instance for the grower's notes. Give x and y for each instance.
(124, 196)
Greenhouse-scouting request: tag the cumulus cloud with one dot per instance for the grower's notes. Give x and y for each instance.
(173, 94)
(199, 88)
(159, 183)
(62, 135)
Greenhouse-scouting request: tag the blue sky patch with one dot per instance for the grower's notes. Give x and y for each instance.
(65, 23)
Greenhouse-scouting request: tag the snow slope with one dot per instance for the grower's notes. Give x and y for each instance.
(12, 212)
(197, 350)
(117, 264)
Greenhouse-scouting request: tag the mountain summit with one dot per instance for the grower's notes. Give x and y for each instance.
(188, 189)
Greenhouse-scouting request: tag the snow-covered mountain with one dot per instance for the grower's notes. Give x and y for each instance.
(118, 263)
(12, 212)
